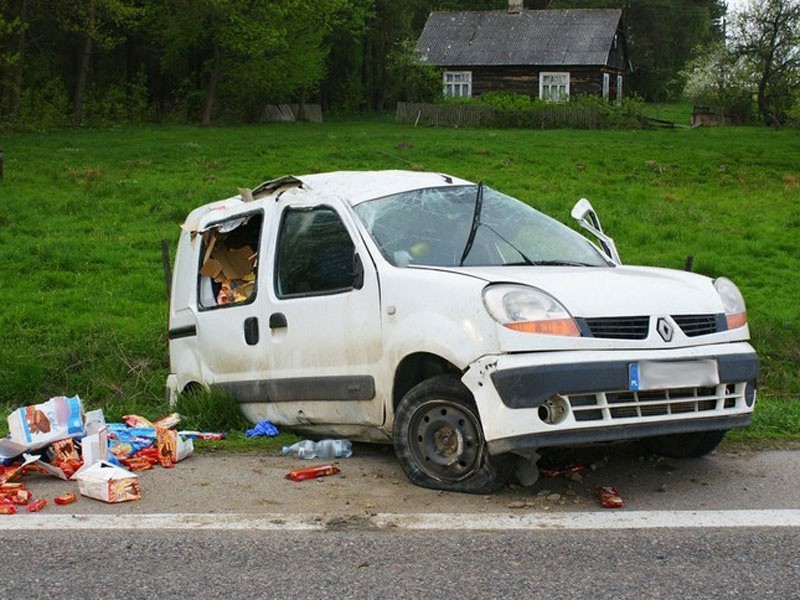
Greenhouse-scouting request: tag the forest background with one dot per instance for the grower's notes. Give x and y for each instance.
(104, 62)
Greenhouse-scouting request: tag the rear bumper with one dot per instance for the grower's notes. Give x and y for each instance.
(534, 400)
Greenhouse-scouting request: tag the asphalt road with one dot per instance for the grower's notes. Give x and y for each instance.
(231, 526)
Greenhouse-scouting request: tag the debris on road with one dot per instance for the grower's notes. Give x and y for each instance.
(609, 496)
(567, 470)
(263, 428)
(75, 445)
(312, 472)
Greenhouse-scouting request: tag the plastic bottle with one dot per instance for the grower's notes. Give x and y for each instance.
(323, 449)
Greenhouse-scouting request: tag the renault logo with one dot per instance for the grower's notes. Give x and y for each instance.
(664, 329)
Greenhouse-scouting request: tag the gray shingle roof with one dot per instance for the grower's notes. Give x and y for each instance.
(532, 37)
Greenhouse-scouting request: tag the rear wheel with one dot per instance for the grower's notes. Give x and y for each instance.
(439, 441)
(684, 445)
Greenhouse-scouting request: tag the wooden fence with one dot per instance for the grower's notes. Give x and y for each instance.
(471, 115)
(293, 112)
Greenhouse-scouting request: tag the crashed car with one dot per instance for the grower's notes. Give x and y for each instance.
(452, 320)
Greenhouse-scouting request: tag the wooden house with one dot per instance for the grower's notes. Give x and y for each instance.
(547, 54)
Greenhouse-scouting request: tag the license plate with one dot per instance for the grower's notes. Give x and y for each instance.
(660, 375)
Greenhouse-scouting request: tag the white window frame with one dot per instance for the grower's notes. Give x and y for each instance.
(457, 84)
(619, 89)
(606, 86)
(554, 86)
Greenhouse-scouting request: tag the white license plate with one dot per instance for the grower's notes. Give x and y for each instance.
(660, 375)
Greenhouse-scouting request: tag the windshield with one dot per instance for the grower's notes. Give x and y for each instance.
(432, 227)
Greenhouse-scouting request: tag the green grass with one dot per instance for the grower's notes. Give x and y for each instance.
(82, 214)
(678, 113)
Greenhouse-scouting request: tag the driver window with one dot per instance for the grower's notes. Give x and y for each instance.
(315, 253)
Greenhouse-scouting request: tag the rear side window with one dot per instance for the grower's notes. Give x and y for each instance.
(228, 270)
(315, 253)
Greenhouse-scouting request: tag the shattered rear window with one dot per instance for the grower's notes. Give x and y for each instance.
(229, 261)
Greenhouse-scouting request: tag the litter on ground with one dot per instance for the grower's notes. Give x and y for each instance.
(57, 438)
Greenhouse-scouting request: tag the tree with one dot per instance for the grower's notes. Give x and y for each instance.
(716, 77)
(767, 35)
(12, 46)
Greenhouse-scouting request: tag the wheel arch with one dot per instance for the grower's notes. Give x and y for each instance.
(416, 368)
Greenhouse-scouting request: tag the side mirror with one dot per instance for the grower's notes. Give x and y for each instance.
(583, 212)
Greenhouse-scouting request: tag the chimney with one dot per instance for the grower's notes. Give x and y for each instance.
(514, 7)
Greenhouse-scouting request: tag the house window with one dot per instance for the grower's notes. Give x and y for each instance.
(619, 88)
(554, 87)
(606, 85)
(458, 84)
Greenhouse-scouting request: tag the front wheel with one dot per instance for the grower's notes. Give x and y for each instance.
(439, 441)
(684, 445)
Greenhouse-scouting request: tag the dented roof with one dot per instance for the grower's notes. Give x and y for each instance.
(531, 37)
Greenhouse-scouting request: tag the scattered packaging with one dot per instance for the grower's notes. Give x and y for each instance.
(39, 425)
(109, 483)
(65, 499)
(265, 428)
(609, 496)
(577, 468)
(312, 472)
(137, 421)
(169, 422)
(37, 505)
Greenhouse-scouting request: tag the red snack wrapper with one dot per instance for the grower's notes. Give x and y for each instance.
(312, 472)
(609, 496)
(37, 505)
(65, 499)
(577, 468)
(8, 509)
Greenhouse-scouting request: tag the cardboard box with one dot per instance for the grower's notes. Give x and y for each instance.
(106, 482)
(39, 425)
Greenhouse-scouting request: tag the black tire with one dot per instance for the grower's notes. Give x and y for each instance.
(439, 441)
(684, 445)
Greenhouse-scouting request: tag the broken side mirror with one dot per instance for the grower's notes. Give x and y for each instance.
(583, 212)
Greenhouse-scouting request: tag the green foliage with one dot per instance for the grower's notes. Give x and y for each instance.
(83, 213)
(506, 102)
(411, 80)
(210, 410)
(43, 107)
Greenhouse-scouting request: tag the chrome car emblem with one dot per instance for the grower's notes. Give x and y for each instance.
(664, 329)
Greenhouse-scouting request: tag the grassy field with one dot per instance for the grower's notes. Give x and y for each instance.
(82, 214)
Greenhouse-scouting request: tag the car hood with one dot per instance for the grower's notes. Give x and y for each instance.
(613, 291)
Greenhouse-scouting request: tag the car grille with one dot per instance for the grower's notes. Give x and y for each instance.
(638, 328)
(618, 406)
(619, 328)
(694, 325)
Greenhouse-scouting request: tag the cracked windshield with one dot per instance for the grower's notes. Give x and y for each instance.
(471, 226)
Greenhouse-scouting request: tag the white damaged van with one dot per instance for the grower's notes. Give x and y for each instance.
(455, 321)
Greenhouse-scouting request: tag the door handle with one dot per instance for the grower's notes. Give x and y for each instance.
(277, 321)
(251, 331)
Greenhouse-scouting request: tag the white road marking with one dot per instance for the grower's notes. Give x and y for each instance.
(528, 521)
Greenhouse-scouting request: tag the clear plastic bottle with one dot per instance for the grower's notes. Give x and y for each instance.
(323, 449)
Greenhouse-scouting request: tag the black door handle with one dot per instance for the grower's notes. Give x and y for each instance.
(251, 331)
(277, 321)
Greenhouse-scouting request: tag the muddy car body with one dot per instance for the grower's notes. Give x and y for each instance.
(452, 320)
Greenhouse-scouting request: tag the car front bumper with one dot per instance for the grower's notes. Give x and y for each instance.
(533, 400)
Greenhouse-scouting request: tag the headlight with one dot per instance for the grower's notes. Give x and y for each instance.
(527, 309)
(733, 301)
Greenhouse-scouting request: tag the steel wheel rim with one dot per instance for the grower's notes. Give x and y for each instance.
(445, 440)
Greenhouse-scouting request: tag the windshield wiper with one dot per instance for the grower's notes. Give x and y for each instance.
(476, 222)
(548, 263)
